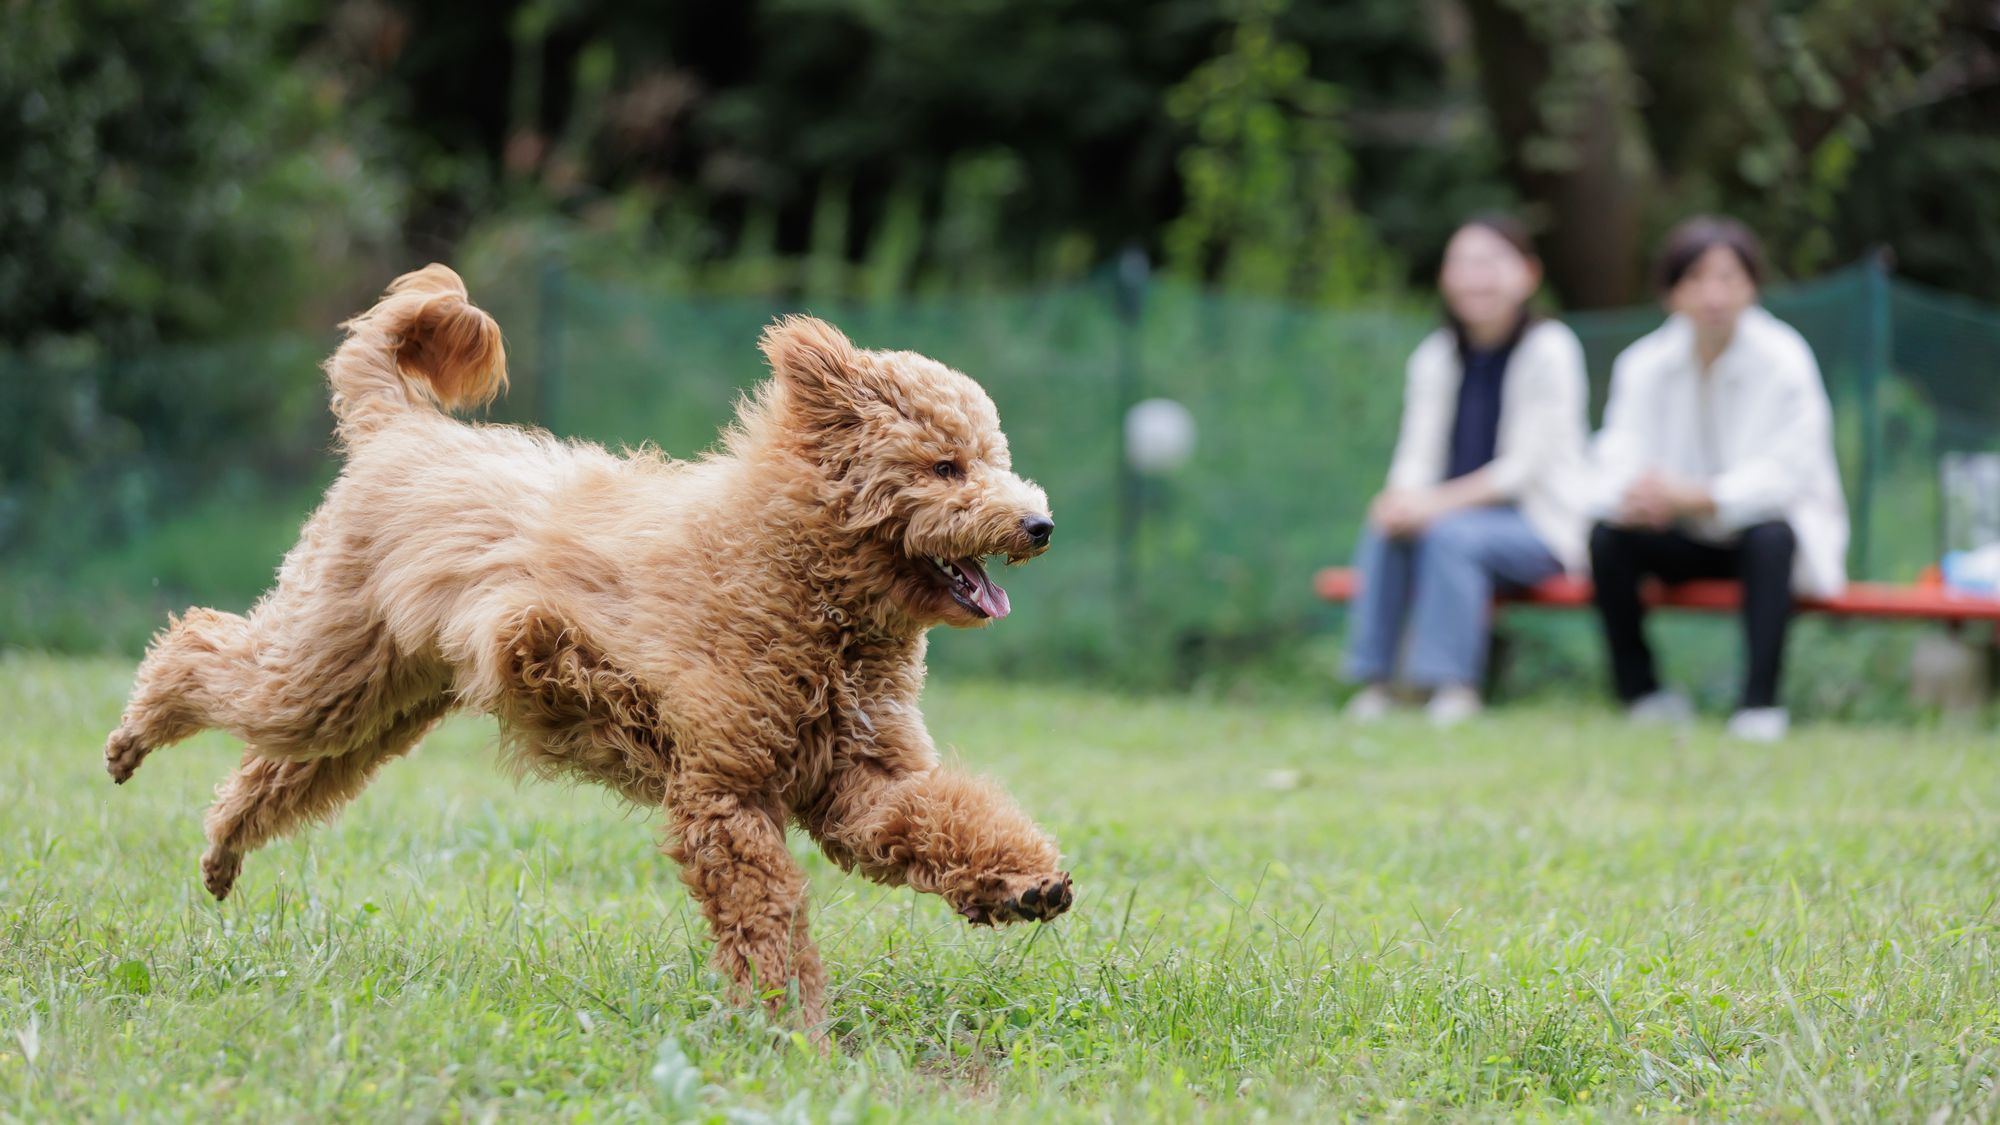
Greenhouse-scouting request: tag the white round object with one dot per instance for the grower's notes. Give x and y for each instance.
(1159, 435)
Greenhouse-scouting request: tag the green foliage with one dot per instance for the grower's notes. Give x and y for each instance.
(1551, 915)
(649, 239)
(1830, 74)
(170, 172)
(1908, 190)
(191, 168)
(1761, 111)
(1267, 175)
(1586, 68)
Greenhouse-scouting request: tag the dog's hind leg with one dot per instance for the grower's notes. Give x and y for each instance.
(304, 676)
(733, 858)
(947, 833)
(268, 797)
(172, 696)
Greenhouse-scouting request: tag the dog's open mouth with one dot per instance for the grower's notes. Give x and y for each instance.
(969, 586)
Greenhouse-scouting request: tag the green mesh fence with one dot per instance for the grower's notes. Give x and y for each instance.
(132, 489)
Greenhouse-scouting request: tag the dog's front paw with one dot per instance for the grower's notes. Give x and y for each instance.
(1020, 898)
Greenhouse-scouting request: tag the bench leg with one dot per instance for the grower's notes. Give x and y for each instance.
(1499, 650)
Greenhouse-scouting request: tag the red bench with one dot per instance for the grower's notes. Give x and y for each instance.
(1931, 601)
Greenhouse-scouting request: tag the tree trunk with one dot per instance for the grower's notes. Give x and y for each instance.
(1574, 148)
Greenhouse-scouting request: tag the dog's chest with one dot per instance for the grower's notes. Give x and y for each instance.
(835, 717)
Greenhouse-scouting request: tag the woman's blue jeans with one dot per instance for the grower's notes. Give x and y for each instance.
(1438, 587)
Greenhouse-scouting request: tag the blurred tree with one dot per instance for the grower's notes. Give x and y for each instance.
(1618, 117)
(171, 169)
(1021, 124)
(167, 160)
(168, 170)
(1267, 174)
(1008, 139)
(1924, 185)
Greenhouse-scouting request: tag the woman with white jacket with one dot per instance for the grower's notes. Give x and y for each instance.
(1715, 461)
(1482, 488)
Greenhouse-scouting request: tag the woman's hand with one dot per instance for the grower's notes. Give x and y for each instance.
(1403, 513)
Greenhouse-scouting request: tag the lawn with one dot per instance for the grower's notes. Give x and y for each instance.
(1548, 916)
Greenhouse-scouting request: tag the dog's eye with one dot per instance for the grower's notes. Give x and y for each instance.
(946, 469)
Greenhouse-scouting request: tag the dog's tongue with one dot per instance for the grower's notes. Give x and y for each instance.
(986, 593)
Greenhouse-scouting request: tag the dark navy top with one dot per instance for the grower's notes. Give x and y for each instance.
(1476, 428)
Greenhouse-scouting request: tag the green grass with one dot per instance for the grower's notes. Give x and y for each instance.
(1548, 916)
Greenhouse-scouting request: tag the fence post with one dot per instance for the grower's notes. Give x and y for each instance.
(1875, 364)
(548, 344)
(1131, 293)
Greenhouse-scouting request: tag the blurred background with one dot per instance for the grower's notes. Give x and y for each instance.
(1238, 205)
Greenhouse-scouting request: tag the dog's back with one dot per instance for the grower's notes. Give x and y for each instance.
(430, 515)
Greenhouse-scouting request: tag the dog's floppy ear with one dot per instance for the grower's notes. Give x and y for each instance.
(815, 360)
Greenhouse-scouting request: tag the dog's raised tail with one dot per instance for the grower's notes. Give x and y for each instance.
(423, 346)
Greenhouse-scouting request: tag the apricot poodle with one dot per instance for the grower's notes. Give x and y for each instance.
(736, 640)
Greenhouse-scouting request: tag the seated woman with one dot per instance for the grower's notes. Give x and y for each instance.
(1481, 489)
(1715, 461)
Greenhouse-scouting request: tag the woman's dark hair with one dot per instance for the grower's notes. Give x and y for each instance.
(1511, 230)
(1691, 238)
(1514, 233)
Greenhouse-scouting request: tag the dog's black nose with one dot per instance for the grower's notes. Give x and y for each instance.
(1038, 529)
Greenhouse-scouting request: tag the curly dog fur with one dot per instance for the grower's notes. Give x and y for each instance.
(737, 641)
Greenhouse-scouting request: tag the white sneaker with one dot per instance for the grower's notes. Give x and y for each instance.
(1370, 705)
(1760, 724)
(1453, 704)
(1660, 708)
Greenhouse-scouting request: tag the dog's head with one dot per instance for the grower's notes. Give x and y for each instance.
(913, 455)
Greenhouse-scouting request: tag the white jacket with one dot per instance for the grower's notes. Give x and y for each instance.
(1544, 428)
(1765, 452)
